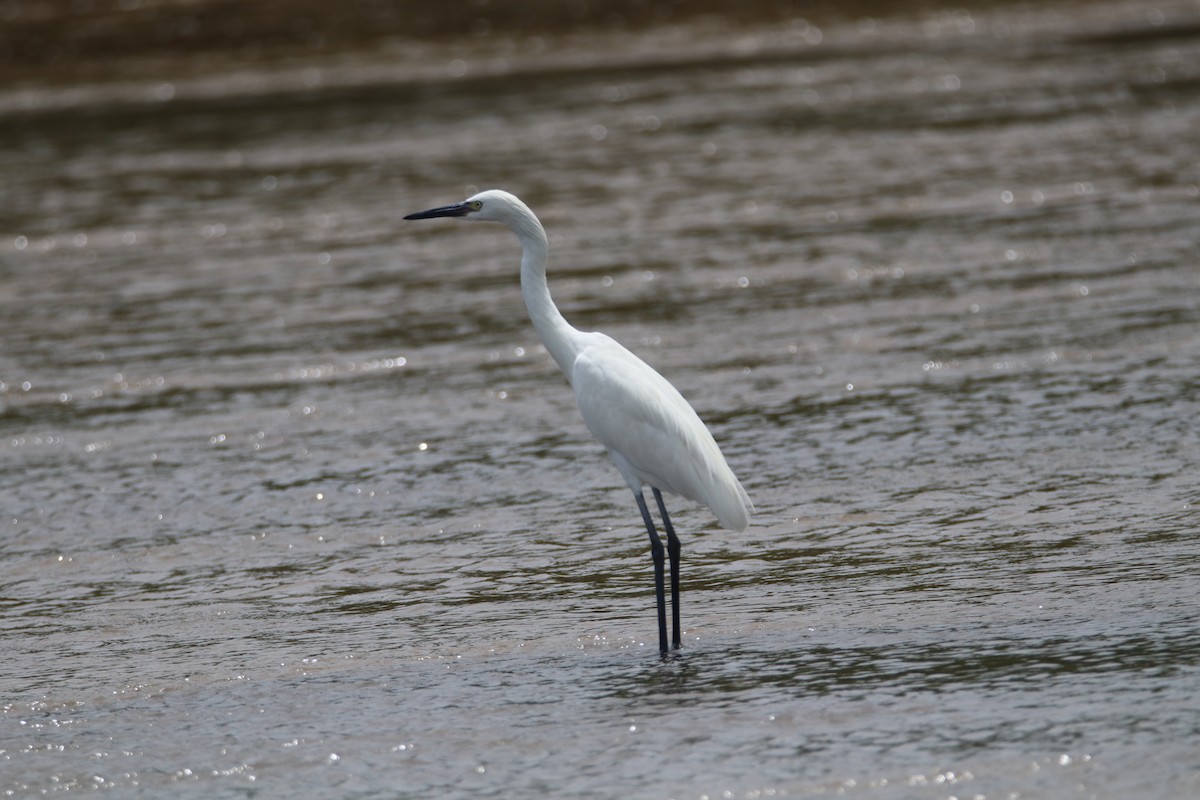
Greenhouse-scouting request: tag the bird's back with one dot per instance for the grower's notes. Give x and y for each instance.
(652, 433)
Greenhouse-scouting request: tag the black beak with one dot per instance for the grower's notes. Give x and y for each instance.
(456, 210)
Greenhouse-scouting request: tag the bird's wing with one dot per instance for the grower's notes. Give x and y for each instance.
(640, 417)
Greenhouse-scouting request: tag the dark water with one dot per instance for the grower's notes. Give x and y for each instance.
(296, 505)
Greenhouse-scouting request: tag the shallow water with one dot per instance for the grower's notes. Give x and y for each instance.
(296, 505)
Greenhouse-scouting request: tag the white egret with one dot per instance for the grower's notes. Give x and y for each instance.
(653, 436)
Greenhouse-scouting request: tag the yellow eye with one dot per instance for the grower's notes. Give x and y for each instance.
(476, 205)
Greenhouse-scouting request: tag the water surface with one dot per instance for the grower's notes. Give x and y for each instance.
(295, 504)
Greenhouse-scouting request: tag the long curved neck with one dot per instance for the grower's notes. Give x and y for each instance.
(561, 340)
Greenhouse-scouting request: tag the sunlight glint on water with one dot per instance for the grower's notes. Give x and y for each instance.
(295, 501)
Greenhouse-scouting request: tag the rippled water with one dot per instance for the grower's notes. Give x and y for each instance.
(296, 505)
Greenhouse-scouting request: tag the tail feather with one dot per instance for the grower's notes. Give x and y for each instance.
(733, 507)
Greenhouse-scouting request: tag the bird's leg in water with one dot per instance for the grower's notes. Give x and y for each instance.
(656, 552)
(673, 554)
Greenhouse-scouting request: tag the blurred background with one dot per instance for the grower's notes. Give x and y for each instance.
(294, 503)
(79, 37)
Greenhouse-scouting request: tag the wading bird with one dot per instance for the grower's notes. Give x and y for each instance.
(652, 434)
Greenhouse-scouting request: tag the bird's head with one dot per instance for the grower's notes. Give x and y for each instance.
(493, 205)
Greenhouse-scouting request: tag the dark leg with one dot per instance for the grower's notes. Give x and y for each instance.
(656, 552)
(673, 552)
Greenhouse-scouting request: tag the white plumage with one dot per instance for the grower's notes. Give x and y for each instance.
(652, 434)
